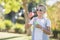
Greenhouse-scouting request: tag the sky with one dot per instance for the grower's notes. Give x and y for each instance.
(51, 2)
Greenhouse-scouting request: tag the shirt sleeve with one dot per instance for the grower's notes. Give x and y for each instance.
(31, 21)
(48, 23)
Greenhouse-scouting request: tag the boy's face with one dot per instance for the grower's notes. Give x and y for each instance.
(40, 11)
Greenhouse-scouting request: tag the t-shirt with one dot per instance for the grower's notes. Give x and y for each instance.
(37, 33)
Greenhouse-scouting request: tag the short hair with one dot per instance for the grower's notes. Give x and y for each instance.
(43, 7)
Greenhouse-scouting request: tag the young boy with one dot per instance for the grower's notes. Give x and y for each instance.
(41, 25)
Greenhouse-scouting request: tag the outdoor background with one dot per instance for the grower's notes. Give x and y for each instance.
(14, 15)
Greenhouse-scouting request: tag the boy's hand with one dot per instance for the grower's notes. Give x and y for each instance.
(30, 15)
(38, 26)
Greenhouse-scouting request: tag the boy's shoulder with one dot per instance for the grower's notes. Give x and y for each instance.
(46, 19)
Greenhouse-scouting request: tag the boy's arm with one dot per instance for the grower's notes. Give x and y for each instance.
(27, 26)
(47, 31)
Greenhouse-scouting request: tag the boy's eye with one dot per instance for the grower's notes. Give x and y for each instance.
(39, 10)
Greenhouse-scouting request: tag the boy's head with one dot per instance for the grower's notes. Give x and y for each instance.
(41, 9)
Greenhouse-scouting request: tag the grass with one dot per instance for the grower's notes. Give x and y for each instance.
(14, 36)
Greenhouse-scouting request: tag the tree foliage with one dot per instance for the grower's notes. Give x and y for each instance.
(53, 13)
(11, 5)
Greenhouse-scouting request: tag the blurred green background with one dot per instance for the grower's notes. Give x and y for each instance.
(12, 18)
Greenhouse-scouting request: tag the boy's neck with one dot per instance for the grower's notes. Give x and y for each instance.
(40, 17)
